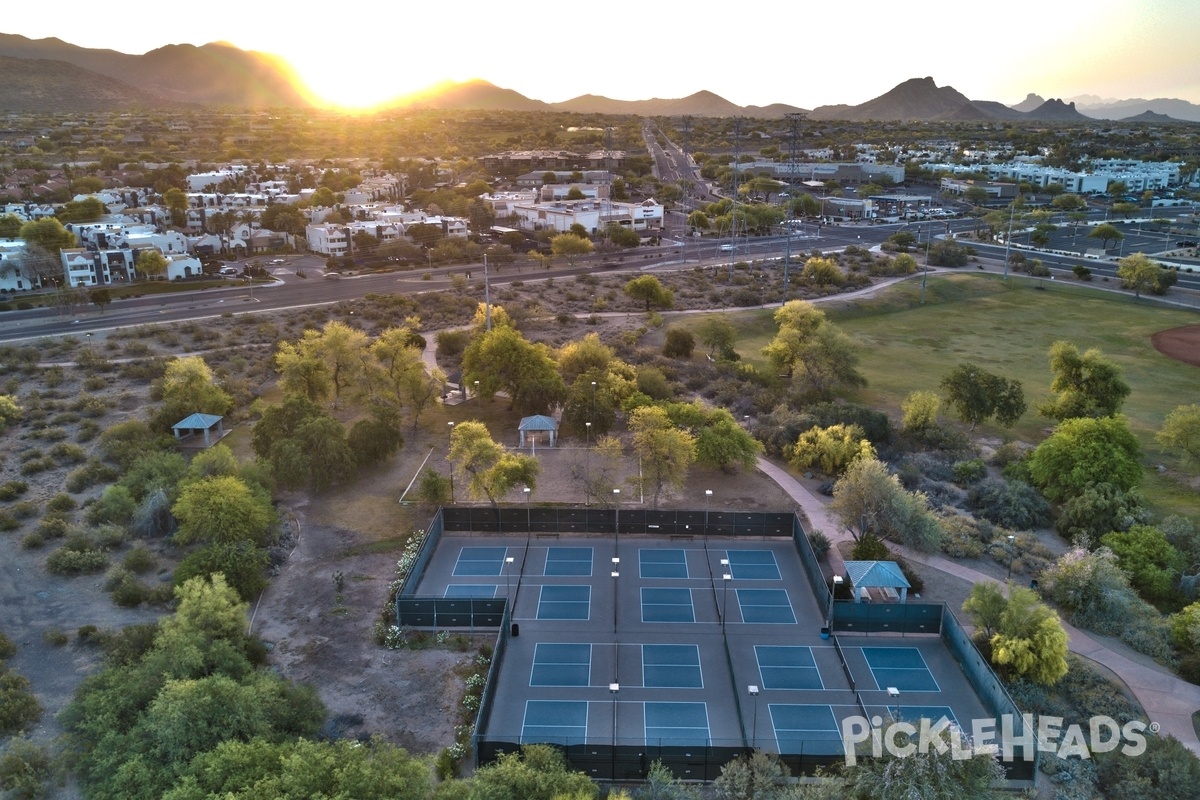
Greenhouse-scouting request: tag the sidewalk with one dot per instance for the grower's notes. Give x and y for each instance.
(1168, 700)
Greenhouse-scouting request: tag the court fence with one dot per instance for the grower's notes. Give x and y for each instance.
(631, 762)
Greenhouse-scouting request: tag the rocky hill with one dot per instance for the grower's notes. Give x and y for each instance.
(42, 84)
(214, 74)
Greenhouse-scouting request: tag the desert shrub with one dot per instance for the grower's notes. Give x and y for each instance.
(1151, 562)
(870, 547)
(65, 561)
(89, 474)
(115, 504)
(373, 440)
(127, 591)
(243, 564)
(12, 490)
(1006, 454)
(1189, 668)
(53, 526)
(62, 502)
(8, 521)
(139, 560)
(1010, 504)
(830, 450)
(969, 471)
(820, 543)
(961, 537)
(1098, 509)
(68, 453)
(26, 509)
(18, 707)
(8, 648)
(35, 465)
(88, 430)
(109, 536)
(1095, 593)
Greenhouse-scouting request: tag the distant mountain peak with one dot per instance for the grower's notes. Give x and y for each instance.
(1030, 102)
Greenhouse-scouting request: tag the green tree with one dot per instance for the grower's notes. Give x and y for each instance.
(48, 234)
(502, 360)
(666, 452)
(757, 776)
(1030, 640)
(87, 210)
(151, 263)
(571, 246)
(177, 203)
(491, 470)
(1139, 272)
(100, 298)
(867, 498)
(831, 450)
(260, 769)
(649, 290)
(1085, 451)
(1180, 430)
(243, 564)
(985, 606)
(679, 343)
(1152, 563)
(1097, 509)
(538, 772)
(928, 770)
(1106, 233)
(622, 236)
(1069, 202)
(1087, 385)
(822, 272)
(188, 383)
(718, 332)
(817, 355)
(10, 226)
(224, 510)
(10, 411)
(977, 395)
(725, 445)
(920, 412)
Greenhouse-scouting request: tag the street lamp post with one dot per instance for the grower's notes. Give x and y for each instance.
(613, 688)
(477, 394)
(894, 695)
(754, 726)
(587, 465)
(725, 579)
(616, 573)
(451, 424)
(508, 562)
(528, 513)
(1012, 552)
(707, 501)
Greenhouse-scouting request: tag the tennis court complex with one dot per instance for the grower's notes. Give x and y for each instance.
(675, 644)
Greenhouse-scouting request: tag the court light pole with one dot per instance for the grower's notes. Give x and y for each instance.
(837, 581)
(894, 695)
(754, 726)
(451, 424)
(613, 688)
(477, 400)
(707, 502)
(725, 579)
(587, 464)
(508, 562)
(528, 513)
(1012, 552)
(616, 573)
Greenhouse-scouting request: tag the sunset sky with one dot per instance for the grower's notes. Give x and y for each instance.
(751, 52)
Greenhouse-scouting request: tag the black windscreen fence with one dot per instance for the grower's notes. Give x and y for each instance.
(632, 521)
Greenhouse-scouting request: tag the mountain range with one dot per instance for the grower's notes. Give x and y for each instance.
(53, 75)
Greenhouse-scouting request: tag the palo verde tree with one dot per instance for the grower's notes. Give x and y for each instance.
(1181, 431)
(502, 360)
(1106, 233)
(491, 470)
(649, 290)
(1087, 385)
(867, 498)
(816, 355)
(977, 395)
(666, 452)
(1084, 452)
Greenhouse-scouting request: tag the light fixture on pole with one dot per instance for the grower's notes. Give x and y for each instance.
(587, 465)
(477, 393)
(1012, 552)
(617, 506)
(451, 424)
(508, 562)
(707, 501)
(894, 695)
(528, 515)
(754, 726)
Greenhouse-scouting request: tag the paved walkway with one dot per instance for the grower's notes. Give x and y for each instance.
(1168, 700)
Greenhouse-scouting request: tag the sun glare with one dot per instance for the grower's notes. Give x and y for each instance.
(354, 88)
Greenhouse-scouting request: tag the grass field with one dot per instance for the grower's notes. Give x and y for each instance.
(1008, 329)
